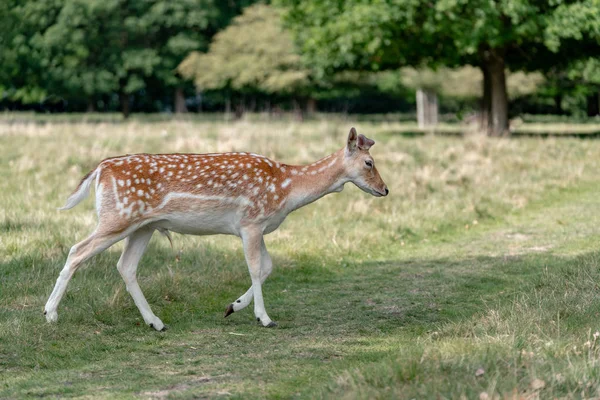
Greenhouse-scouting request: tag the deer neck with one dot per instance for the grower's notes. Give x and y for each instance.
(309, 183)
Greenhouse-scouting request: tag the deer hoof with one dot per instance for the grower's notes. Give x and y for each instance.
(162, 329)
(271, 325)
(229, 311)
(51, 316)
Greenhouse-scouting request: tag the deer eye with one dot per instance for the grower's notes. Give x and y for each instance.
(369, 163)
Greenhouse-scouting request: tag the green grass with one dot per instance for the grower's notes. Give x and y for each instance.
(478, 274)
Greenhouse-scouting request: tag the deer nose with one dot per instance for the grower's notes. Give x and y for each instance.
(386, 191)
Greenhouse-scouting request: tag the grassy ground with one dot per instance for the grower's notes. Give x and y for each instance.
(477, 277)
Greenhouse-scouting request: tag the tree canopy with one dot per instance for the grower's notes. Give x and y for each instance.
(89, 48)
(254, 53)
(110, 54)
(520, 34)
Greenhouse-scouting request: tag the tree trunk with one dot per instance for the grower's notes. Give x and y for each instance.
(91, 106)
(311, 106)
(124, 100)
(427, 108)
(494, 60)
(227, 107)
(558, 104)
(240, 108)
(486, 101)
(297, 110)
(593, 105)
(199, 101)
(180, 106)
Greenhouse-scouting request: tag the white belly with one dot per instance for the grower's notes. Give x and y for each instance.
(201, 223)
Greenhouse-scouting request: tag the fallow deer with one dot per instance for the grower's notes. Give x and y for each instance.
(241, 194)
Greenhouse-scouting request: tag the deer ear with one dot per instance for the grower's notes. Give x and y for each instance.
(352, 139)
(364, 143)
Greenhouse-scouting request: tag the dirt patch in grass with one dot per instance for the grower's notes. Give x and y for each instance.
(180, 387)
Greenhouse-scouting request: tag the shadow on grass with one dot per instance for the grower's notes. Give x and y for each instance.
(319, 304)
(396, 292)
(388, 295)
(420, 295)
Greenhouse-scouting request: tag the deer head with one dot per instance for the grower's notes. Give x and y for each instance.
(360, 165)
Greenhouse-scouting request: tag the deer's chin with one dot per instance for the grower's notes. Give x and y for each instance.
(371, 191)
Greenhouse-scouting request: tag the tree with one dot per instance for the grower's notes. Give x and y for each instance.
(86, 49)
(23, 74)
(253, 54)
(576, 25)
(97, 47)
(586, 75)
(493, 36)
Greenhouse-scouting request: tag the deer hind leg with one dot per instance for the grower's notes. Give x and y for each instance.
(266, 266)
(96, 243)
(135, 246)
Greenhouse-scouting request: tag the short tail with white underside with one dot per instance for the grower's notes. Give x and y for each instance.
(82, 191)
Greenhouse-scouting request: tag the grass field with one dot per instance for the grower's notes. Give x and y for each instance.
(477, 277)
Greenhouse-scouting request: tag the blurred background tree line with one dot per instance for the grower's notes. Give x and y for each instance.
(478, 58)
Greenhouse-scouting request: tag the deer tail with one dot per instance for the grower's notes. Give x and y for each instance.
(82, 191)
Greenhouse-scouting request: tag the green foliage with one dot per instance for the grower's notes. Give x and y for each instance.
(514, 34)
(101, 46)
(81, 49)
(577, 21)
(586, 71)
(254, 53)
(351, 34)
(23, 72)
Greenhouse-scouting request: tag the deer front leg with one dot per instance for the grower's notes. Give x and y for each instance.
(266, 266)
(253, 240)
